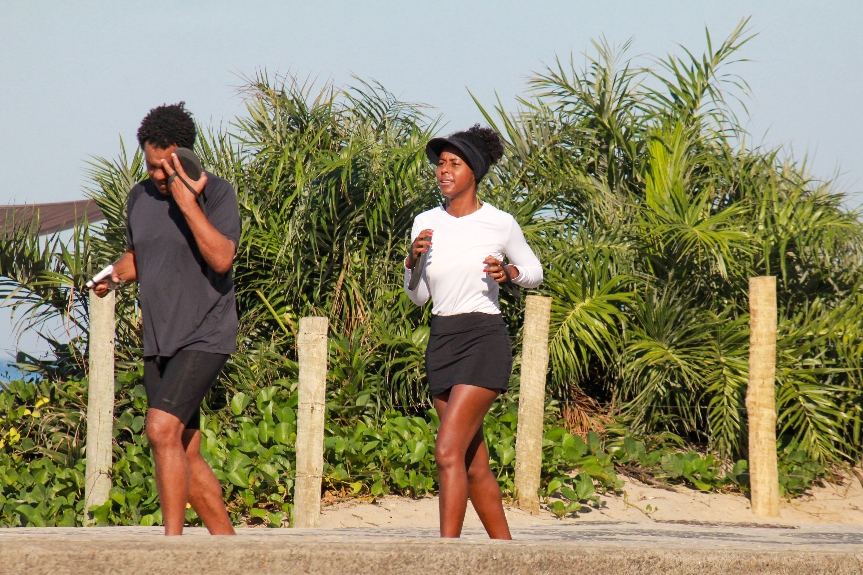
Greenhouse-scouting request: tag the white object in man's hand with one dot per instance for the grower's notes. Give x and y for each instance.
(104, 281)
(105, 273)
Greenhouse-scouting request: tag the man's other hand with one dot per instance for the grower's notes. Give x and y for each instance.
(124, 271)
(104, 286)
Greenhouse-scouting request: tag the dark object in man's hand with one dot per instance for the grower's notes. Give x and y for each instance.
(190, 162)
(192, 166)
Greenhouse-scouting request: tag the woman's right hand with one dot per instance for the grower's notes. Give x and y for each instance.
(421, 244)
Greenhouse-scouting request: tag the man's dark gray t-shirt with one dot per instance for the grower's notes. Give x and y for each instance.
(184, 303)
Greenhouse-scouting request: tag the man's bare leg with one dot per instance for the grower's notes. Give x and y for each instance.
(205, 492)
(165, 433)
(182, 475)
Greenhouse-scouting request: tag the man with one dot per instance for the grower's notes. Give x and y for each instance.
(181, 255)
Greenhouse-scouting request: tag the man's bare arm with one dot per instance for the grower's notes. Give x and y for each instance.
(217, 250)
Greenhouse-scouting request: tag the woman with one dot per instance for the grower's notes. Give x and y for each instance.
(469, 357)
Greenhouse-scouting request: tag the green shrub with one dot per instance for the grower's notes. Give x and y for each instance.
(250, 444)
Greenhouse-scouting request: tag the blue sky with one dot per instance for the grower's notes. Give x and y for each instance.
(76, 76)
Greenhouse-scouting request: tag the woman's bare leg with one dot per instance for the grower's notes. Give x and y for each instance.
(462, 462)
(484, 491)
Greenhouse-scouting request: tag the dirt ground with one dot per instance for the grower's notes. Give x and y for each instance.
(840, 504)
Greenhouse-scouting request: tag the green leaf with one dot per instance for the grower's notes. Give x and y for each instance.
(282, 433)
(584, 488)
(377, 488)
(508, 455)
(238, 478)
(265, 431)
(569, 493)
(239, 403)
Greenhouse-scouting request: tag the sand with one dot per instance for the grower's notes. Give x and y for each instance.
(838, 504)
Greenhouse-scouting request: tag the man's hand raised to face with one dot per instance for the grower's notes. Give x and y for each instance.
(186, 200)
(217, 250)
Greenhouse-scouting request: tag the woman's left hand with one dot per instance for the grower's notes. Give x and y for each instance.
(494, 268)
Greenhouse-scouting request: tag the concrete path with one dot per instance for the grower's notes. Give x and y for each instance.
(587, 548)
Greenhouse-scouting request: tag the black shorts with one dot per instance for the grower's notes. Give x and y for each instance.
(470, 349)
(179, 384)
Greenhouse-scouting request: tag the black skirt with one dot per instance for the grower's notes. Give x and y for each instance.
(468, 348)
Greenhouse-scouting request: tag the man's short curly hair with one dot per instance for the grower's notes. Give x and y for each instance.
(166, 126)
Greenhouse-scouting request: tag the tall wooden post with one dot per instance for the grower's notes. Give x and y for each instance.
(760, 397)
(531, 403)
(100, 402)
(312, 352)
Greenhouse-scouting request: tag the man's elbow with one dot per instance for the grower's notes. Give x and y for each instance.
(223, 267)
(225, 260)
(223, 264)
(415, 296)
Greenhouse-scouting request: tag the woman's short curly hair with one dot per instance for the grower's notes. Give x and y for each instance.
(486, 140)
(168, 125)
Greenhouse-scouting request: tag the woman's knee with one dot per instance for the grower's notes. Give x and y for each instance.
(479, 473)
(447, 455)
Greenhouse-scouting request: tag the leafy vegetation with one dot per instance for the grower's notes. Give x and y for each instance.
(639, 194)
(250, 445)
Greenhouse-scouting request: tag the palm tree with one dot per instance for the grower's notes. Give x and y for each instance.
(652, 220)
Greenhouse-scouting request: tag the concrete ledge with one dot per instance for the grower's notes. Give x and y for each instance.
(593, 549)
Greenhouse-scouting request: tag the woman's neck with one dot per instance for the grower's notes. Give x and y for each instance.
(463, 204)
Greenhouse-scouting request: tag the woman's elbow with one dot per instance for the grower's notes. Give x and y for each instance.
(533, 279)
(416, 299)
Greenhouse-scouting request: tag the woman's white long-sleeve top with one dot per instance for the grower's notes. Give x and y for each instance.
(453, 275)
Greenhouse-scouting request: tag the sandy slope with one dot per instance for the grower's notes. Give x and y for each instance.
(834, 504)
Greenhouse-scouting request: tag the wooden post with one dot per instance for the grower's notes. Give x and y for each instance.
(531, 403)
(100, 402)
(760, 397)
(312, 352)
